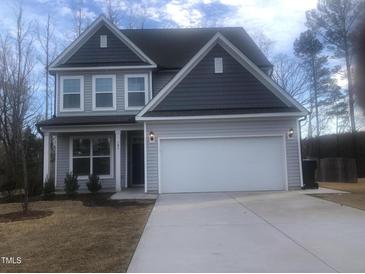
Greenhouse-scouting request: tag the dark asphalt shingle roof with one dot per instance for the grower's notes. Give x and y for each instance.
(87, 120)
(173, 48)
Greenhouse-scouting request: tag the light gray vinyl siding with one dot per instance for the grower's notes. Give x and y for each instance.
(120, 91)
(63, 160)
(225, 128)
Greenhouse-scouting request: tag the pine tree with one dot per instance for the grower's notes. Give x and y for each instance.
(335, 21)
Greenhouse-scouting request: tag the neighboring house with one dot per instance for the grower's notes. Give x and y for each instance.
(173, 110)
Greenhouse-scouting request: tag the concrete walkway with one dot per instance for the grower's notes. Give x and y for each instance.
(251, 232)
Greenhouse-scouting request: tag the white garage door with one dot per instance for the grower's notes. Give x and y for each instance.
(222, 164)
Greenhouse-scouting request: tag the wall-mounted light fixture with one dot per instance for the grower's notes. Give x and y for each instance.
(151, 137)
(290, 133)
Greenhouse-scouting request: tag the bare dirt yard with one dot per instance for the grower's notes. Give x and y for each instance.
(354, 198)
(79, 236)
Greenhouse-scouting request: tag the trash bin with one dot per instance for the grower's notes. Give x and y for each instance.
(309, 167)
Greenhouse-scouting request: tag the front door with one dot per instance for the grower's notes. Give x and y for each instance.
(136, 167)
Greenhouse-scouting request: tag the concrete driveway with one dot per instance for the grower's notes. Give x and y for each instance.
(251, 232)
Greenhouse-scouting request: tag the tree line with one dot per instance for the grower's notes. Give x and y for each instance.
(324, 54)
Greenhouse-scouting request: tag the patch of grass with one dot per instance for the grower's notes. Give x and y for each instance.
(358, 187)
(91, 234)
(355, 198)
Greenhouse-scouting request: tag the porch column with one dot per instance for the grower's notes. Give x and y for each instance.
(46, 143)
(118, 179)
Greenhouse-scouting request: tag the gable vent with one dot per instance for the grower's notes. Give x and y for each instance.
(218, 65)
(103, 41)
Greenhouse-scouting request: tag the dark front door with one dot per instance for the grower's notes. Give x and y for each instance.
(136, 170)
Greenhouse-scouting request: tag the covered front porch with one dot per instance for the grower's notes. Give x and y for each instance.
(113, 152)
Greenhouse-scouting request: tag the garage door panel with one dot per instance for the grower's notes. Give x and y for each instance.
(221, 164)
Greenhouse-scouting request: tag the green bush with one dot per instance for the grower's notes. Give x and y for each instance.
(49, 187)
(94, 184)
(71, 184)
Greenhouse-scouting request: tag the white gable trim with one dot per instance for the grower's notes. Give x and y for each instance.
(218, 38)
(75, 45)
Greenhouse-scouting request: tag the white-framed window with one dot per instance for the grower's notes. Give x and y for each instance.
(136, 91)
(104, 92)
(72, 93)
(91, 156)
(103, 41)
(218, 65)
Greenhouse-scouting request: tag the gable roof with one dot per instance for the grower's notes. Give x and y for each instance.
(173, 48)
(218, 38)
(61, 59)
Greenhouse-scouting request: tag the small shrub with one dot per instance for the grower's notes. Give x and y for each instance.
(94, 184)
(71, 184)
(49, 188)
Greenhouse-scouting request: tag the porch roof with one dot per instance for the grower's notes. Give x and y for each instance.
(87, 120)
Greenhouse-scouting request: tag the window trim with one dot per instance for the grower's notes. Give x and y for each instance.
(81, 108)
(114, 91)
(126, 91)
(103, 41)
(218, 65)
(111, 174)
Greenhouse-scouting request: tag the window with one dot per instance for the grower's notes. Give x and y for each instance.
(72, 92)
(135, 91)
(91, 155)
(218, 65)
(104, 92)
(103, 41)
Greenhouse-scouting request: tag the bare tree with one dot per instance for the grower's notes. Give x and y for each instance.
(45, 35)
(264, 43)
(112, 12)
(80, 20)
(16, 91)
(291, 76)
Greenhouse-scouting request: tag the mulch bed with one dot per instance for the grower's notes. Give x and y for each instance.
(20, 216)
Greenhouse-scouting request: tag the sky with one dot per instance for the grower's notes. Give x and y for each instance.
(279, 20)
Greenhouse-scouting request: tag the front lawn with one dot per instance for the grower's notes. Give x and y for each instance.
(354, 198)
(84, 235)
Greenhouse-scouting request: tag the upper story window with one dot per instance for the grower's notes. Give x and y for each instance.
(72, 93)
(104, 92)
(103, 41)
(135, 91)
(218, 65)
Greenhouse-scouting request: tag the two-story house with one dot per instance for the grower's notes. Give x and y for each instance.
(172, 110)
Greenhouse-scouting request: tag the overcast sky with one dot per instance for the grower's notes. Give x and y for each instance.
(279, 20)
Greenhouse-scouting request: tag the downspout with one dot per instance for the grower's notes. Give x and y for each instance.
(300, 149)
(54, 98)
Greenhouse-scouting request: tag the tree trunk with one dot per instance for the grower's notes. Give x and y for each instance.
(25, 178)
(350, 91)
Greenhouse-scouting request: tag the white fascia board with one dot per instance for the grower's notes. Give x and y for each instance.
(240, 57)
(102, 68)
(229, 116)
(76, 44)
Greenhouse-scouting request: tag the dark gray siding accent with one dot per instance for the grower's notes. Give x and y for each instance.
(63, 160)
(88, 92)
(224, 128)
(235, 88)
(160, 79)
(90, 53)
